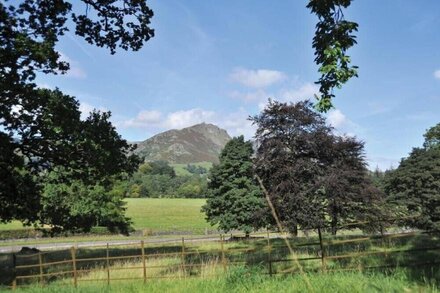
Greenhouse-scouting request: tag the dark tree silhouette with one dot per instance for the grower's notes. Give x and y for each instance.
(41, 130)
(315, 178)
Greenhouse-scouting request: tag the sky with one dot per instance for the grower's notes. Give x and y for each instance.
(219, 62)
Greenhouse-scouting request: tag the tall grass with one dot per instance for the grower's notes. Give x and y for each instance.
(247, 259)
(241, 279)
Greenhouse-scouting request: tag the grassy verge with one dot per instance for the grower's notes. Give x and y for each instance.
(244, 280)
(398, 270)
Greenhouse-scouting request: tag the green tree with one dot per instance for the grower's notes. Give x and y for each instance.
(77, 207)
(41, 130)
(234, 201)
(333, 37)
(162, 168)
(432, 137)
(414, 187)
(145, 168)
(135, 191)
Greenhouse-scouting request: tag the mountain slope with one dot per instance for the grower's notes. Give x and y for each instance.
(198, 143)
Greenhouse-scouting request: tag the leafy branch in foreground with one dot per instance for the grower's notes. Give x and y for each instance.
(333, 37)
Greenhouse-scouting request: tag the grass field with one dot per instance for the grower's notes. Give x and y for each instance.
(181, 171)
(164, 214)
(157, 214)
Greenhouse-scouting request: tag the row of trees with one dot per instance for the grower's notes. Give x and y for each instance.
(314, 177)
(158, 179)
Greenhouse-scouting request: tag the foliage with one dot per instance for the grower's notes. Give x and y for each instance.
(414, 187)
(78, 207)
(333, 37)
(193, 169)
(160, 168)
(158, 179)
(41, 130)
(315, 178)
(234, 201)
(432, 137)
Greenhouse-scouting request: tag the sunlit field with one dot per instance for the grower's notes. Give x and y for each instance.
(157, 214)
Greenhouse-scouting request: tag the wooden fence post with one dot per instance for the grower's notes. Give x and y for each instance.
(143, 261)
(73, 254)
(269, 253)
(14, 263)
(321, 245)
(223, 252)
(107, 258)
(183, 257)
(40, 262)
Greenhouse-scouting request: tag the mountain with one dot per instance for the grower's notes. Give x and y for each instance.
(198, 143)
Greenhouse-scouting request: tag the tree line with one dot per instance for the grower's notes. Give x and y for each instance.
(315, 177)
(158, 179)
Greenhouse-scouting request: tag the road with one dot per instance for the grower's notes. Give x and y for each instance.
(102, 243)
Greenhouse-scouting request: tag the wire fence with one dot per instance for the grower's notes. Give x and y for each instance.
(204, 257)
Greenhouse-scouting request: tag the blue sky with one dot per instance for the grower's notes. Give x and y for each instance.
(219, 62)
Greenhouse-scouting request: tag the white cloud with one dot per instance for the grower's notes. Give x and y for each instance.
(296, 93)
(181, 119)
(86, 109)
(437, 74)
(260, 78)
(144, 119)
(235, 123)
(336, 118)
(304, 92)
(342, 124)
(75, 70)
(174, 120)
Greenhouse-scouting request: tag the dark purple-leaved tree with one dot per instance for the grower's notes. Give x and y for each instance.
(314, 177)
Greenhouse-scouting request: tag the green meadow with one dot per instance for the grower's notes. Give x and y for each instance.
(157, 214)
(165, 214)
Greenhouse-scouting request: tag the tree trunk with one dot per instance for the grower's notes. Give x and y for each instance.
(295, 231)
(334, 225)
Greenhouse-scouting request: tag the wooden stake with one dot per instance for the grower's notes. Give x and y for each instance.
(223, 252)
(321, 245)
(40, 262)
(75, 276)
(183, 257)
(143, 261)
(269, 253)
(108, 264)
(14, 263)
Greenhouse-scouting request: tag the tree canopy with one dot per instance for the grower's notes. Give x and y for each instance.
(315, 178)
(234, 201)
(414, 187)
(40, 130)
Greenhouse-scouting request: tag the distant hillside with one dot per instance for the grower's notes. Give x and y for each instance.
(198, 143)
